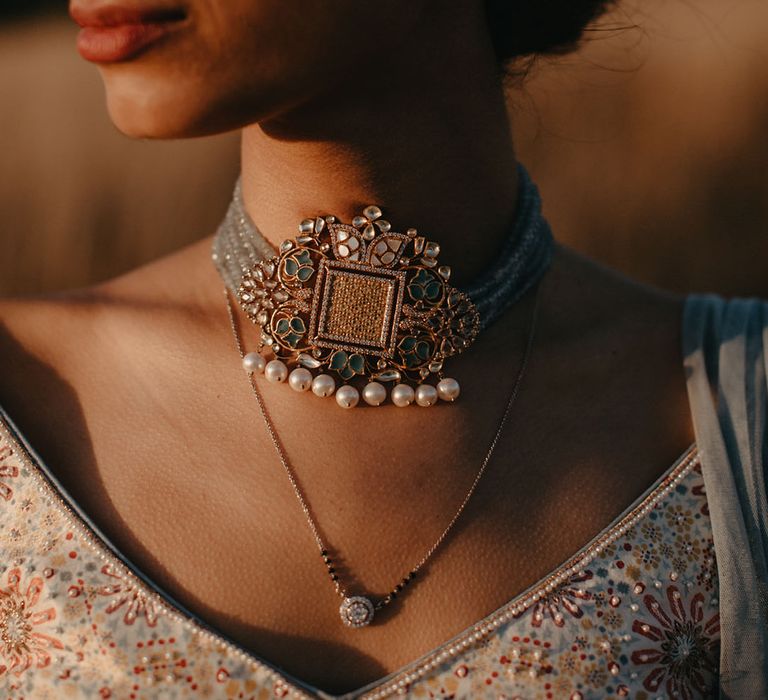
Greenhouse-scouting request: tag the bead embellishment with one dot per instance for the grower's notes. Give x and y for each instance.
(356, 611)
(358, 301)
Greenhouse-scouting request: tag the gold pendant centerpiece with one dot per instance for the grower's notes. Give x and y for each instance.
(359, 301)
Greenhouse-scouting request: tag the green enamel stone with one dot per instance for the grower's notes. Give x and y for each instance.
(416, 292)
(338, 359)
(433, 290)
(422, 350)
(357, 363)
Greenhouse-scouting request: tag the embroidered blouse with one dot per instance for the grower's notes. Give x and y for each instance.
(634, 611)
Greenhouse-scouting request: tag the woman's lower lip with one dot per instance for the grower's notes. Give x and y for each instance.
(118, 43)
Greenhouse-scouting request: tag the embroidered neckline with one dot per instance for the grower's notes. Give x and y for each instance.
(397, 681)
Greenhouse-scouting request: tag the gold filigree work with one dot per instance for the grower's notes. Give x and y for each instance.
(359, 299)
(357, 308)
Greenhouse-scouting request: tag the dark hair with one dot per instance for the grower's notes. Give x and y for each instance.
(523, 27)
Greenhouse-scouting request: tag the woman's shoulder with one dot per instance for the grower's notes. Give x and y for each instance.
(120, 314)
(39, 332)
(32, 331)
(43, 340)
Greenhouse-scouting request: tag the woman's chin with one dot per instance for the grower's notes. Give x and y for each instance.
(176, 111)
(157, 116)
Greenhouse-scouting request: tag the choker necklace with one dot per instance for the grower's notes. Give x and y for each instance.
(271, 284)
(360, 300)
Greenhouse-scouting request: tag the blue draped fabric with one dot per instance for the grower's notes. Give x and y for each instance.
(725, 345)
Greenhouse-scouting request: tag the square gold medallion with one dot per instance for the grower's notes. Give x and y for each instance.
(356, 307)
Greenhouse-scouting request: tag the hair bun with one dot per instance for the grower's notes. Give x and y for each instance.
(521, 27)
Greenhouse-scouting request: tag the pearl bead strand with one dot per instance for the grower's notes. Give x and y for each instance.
(347, 396)
(323, 385)
(300, 379)
(254, 363)
(276, 371)
(374, 393)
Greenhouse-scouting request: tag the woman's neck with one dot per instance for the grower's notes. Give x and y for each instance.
(431, 146)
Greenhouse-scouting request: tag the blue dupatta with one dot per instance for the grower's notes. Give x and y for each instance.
(725, 346)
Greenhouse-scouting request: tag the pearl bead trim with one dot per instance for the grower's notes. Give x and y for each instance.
(400, 683)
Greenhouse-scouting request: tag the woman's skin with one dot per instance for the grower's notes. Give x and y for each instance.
(133, 394)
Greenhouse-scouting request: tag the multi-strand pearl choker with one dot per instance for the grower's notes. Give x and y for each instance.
(344, 302)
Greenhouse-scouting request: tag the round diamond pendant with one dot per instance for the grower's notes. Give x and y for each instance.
(356, 611)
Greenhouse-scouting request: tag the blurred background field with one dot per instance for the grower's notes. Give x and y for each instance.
(650, 146)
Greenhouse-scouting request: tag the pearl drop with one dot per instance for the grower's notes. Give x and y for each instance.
(448, 389)
(254, 362)
(300, 379)
(402, 395)
(323, 385)
(347, 396)
(426, 395)
(276, 371)
(374, 393)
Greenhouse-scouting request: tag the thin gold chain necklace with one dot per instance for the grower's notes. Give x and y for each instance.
(358, 610)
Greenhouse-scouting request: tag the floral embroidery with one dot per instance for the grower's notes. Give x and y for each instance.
(607, 645)
(700, 490)
(647, 556)
(651, 531)
(613, 619)
(127, 593)
(707, 574)
(570, 663)
(565, 599)
(679, 518)
(689, 546)
(595, 675)
(22, 643)
(679, 563)
(687, 647)
(7, 471)
(666, 550)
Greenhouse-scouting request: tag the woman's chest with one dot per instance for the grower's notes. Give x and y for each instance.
(646, 603)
